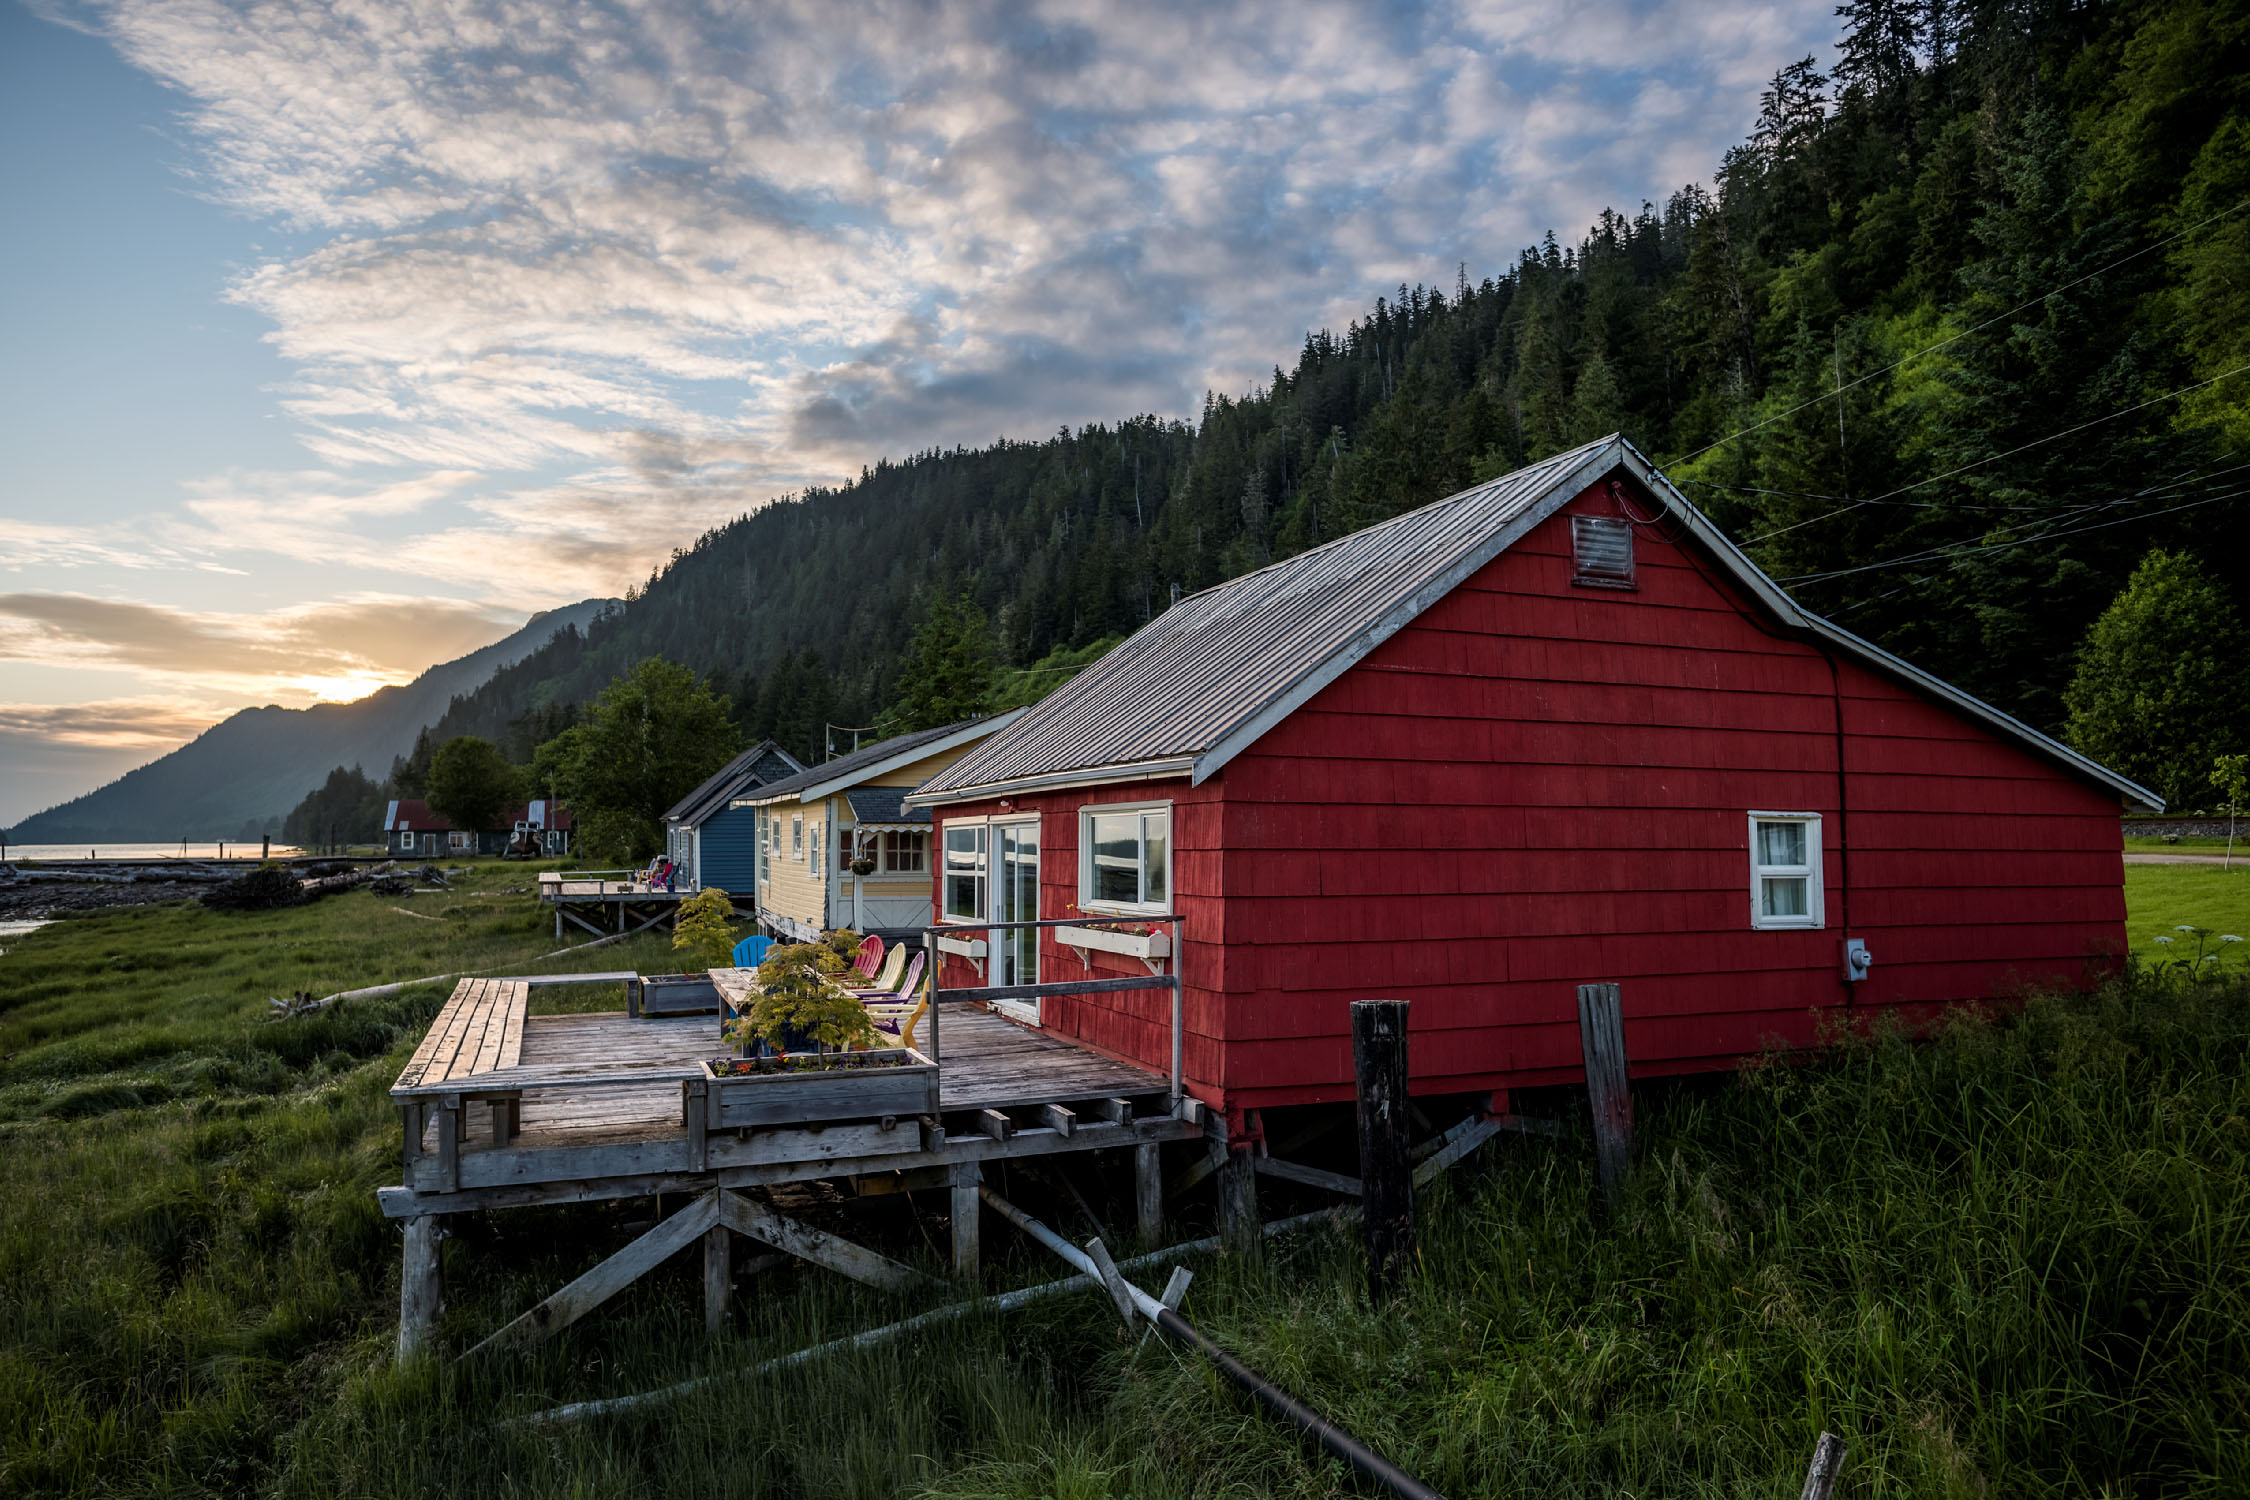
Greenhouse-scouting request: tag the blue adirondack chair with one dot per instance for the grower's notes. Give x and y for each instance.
(751, 952)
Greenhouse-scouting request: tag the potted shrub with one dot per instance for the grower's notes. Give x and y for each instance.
(816, 1075)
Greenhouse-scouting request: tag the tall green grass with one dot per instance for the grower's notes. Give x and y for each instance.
(2007, 1260)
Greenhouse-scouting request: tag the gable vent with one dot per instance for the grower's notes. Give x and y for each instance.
(1601, 552)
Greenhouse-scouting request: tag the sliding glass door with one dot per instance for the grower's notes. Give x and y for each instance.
(1015, 898)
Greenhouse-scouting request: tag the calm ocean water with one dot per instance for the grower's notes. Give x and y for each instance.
(233, 849)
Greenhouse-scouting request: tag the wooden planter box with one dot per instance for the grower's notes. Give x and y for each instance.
(678, 995)
(1141, 945)
(894, 1083)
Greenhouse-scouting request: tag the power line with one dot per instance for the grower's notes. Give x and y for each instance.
(1991, 458)
(1964, 333)
(1945, 553)
(1976, 507)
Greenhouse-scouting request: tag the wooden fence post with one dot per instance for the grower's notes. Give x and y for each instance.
(1827, 1461)
(1379, 1063)
(1601, 1029)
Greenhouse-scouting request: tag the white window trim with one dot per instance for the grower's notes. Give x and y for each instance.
(1815, 916)
(1086, 903)
(796, 835)
(882, 837)
(984, 878)
(813, 848)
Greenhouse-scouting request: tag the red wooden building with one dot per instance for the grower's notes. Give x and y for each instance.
(1552, 730)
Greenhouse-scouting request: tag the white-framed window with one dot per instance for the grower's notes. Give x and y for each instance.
(905, 853)
(1125, 858)
(764, 840)
(458, 840)
(796, 835)
(964, 870)
(1785, 887)
(813, 865)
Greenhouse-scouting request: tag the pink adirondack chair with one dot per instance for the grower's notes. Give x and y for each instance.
(870, 957)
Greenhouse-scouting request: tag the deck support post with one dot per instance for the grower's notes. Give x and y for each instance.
(558, 924)
(420, 1287)
(718, 1275)
(1148, 1194)
(1239, 1230)
(967, 1176)
(1601, 1029)
(1386, 1191)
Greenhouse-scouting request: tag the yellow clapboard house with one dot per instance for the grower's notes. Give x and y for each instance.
(837, 849)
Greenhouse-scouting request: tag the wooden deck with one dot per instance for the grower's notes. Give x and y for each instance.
(535, 1108)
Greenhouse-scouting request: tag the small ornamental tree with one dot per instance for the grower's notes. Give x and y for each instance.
(2160, 691)
(704, 930)
(797, 1000)
(2231, 775)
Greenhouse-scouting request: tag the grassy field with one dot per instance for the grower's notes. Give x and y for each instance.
(2014, 1261)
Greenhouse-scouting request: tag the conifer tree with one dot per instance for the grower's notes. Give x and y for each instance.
(947, 675)
(2160, 691)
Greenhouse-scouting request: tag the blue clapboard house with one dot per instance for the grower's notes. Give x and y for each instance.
(711, 834)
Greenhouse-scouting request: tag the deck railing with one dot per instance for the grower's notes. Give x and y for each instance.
(1167, 981)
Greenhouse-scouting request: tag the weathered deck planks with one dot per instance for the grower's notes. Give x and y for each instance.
(554, 1098)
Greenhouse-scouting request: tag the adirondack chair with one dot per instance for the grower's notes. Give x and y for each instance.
(870, 957)
(897, 1012)
(751, 952)
(887, 982)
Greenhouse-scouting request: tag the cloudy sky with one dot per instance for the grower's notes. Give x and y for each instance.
(343, 335)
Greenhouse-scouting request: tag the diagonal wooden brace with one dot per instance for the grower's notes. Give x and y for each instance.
(747, 1217)
(611, 1276)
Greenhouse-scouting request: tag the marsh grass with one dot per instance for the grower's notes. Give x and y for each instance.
(2011, 1260)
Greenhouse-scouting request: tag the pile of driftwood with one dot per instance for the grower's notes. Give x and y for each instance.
(271, 886)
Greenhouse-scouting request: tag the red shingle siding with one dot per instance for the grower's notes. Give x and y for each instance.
(1535, 785)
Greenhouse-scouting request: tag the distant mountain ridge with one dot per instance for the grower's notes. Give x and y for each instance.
(257, 764)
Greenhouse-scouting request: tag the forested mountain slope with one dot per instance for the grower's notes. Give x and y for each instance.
(1978, 307)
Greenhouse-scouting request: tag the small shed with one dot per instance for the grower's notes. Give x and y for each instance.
(545, 827)
(1553, 730)
(711, 833)
(837, 849)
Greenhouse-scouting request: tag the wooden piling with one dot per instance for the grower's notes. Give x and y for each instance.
(420, 1287)
(1238, 1200)
(967, 1176)
(1379, 1063)
(718, 1275)
(1601, 1029)
(1148, 1194)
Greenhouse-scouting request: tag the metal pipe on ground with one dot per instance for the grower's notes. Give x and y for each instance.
(578, 1411)
(1364, 1460)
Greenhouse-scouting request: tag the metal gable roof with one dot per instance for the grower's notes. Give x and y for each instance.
(884, 755)
(1194, 687)
(754, 767)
